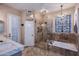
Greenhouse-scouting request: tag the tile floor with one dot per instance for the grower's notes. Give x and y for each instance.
(35, 51)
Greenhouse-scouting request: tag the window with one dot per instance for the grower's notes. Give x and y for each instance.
(63, 24)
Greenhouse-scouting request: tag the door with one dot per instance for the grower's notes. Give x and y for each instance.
(29, 33)
(14, 27)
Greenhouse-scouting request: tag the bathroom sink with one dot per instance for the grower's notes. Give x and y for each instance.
(2, 39)
(2, 42)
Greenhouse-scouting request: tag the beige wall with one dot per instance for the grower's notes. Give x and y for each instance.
(22, 28)
(4, 11)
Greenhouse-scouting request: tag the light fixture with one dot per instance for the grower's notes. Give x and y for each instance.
(61, 10)
(44, 12)
(61, 16)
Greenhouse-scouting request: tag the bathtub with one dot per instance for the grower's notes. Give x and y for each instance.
(10, 47)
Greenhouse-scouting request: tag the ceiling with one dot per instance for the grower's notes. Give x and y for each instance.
(39, 6)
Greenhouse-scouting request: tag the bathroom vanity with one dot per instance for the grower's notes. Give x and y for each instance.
(10, 48)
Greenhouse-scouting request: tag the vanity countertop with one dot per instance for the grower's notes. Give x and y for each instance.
(10, 47)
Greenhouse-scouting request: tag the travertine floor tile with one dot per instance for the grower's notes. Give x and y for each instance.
(34, 51)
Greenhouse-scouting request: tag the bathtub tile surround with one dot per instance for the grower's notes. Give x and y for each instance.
(64, 37)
